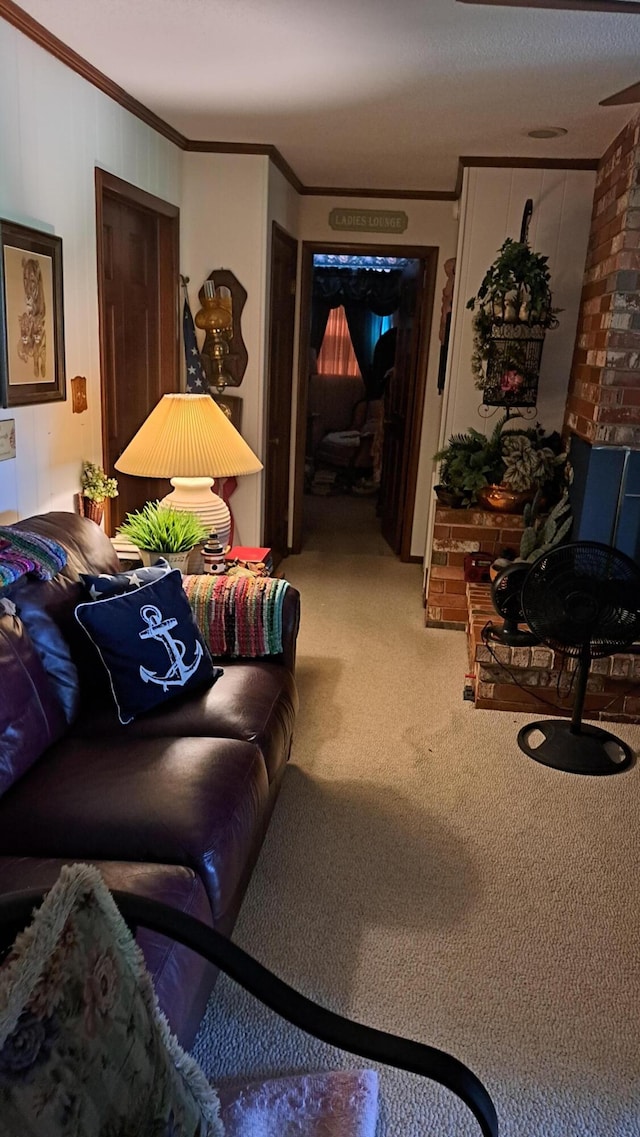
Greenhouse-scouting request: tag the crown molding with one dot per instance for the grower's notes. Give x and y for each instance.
(35, 31)
(272, 152)
(408, 195)
(523, 164)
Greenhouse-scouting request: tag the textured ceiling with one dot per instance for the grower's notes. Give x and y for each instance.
(363, 93)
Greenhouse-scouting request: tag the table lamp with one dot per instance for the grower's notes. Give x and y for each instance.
(190, 440)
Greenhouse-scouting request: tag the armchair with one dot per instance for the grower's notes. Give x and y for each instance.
(374, 1045)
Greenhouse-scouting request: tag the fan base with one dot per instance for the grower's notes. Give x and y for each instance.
(591, 751)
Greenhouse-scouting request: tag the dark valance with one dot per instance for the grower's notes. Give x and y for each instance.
(379, 292)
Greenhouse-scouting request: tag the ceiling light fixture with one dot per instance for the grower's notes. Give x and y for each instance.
(547, 132)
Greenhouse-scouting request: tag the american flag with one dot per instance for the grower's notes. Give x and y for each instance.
(196, 378)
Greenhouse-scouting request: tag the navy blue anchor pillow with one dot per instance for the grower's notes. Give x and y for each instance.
(149, 644)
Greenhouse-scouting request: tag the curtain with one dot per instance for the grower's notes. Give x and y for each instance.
(320, 308)
(366, 296)
(336, 356)
(379, 291)
(359, 321)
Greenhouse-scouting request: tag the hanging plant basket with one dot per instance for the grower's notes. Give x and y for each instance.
(94, 510)
(513, 365)
(513, 311)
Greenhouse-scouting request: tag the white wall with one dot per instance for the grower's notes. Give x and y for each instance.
(283, 203)
(430, 223)
(54, 129)
(492, 204)
(224, 225)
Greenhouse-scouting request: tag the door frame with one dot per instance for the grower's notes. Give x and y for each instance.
(428, 256)
(168, 244)
(293, 242)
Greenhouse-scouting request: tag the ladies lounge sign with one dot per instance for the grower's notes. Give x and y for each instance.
(369, 220)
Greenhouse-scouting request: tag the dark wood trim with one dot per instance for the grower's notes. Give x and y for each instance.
(302, 402)
(288, 239)
(507, 163)
(629, 7)
(266, 148)
(415, 411)
(408, 195)
(428, 255)
(168, 216)
(25, 23)
(416, 560)
(44, 38)
(117, 187)
(622, 98)
(284, 235)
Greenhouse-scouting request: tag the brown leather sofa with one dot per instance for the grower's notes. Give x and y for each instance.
(174, 805)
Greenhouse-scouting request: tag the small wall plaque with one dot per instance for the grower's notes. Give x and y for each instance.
(7, 439)
(369, 220)
(79, 394)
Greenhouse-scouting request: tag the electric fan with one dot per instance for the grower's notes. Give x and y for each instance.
(506, 596)
(581, 599)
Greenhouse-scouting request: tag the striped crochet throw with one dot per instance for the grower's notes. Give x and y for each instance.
(238, 615)
(22, 552)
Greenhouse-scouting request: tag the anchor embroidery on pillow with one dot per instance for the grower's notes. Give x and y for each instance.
(159, 629)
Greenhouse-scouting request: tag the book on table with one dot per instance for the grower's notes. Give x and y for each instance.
(251, 555)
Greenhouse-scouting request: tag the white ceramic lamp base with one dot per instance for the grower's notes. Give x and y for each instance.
(194, 495)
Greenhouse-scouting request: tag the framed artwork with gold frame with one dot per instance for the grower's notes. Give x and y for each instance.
(31, 317)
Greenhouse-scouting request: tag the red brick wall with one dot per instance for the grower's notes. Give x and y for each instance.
(458, 532)
(604, 391)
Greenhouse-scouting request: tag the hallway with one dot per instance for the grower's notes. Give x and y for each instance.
(342, 525)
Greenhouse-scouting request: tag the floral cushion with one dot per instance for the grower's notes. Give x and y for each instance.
(84, 1048)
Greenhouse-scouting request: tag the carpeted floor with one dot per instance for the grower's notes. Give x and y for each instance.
(422, 875)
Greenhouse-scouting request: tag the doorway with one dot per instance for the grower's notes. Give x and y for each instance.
(284, 263)
(137, 248)
(403, 393)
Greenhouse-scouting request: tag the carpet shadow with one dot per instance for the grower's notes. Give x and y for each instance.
(352, 857)
(318, 679)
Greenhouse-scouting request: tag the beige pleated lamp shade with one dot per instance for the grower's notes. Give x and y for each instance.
(187, 436)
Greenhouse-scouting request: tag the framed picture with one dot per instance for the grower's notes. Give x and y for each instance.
(31, 317)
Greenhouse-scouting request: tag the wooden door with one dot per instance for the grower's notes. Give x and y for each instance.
(398, 407)
(284, 254)
(138, 325)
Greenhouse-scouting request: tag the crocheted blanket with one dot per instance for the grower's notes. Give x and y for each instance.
(22, 552)
(237, 615)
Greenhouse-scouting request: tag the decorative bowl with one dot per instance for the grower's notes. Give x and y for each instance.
(502, 499)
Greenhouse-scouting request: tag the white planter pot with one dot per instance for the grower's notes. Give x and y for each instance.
(176, 560)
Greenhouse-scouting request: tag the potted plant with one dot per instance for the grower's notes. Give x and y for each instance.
(532, 462)
(160, 531)
(96, 487)
(467, 463)
(542, 531)
(502, 471)
(513, 310)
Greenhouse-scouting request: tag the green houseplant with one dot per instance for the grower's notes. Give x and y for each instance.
(95, 488)
(467, 463)
(501, 471)
(513, 309)
(160, 531)
(542, 530)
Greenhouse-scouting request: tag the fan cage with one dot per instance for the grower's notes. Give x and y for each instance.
(506, 591)
(583, 599)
